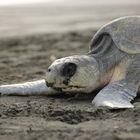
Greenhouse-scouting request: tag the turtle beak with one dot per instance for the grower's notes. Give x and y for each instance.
(49, 78)
(61, 75)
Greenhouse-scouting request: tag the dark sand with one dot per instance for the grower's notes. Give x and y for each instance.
(58, 117)
(26, 55)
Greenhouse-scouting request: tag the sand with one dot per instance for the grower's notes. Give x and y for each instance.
(30, 39)
(56, 117)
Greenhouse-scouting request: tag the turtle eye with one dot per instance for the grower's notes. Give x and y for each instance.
(69, 69)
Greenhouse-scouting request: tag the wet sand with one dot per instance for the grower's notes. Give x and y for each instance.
(25, 54)
(56, 117)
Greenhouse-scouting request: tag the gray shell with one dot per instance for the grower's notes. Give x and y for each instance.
(125, 33)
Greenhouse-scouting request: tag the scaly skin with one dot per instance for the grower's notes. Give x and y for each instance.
(112, 67)
(94, 71)
(113, 64)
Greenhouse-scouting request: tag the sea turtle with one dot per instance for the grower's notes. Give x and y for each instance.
(112, 64)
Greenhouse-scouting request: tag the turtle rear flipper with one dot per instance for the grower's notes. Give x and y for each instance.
(116, 95)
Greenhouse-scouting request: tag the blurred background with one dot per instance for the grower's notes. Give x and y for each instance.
(27, 17)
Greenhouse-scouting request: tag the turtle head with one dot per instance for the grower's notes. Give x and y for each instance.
(73, 74)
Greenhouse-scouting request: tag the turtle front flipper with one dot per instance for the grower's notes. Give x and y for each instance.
(116, 95)
(38, 87)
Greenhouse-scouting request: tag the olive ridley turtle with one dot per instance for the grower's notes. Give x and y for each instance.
(112, 64)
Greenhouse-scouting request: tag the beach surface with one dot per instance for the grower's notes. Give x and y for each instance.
(31, 38)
